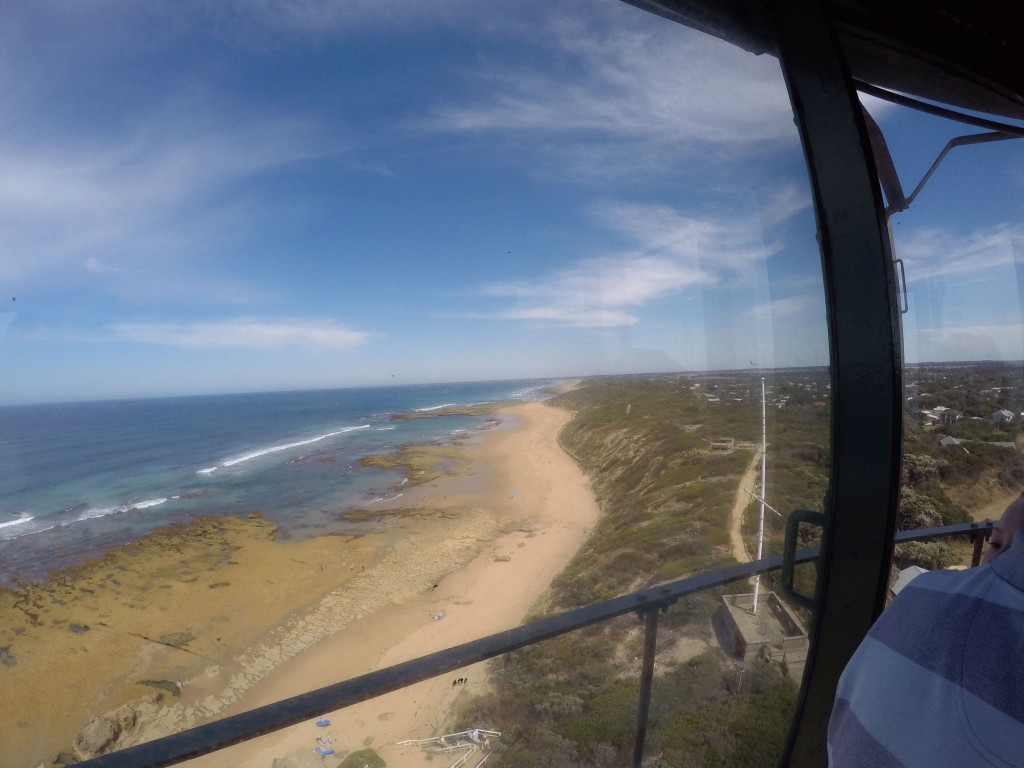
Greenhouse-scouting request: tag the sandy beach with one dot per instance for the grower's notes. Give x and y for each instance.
(242, 620)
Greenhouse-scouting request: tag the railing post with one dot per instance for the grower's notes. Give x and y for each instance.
(979, 539)
(646, 683)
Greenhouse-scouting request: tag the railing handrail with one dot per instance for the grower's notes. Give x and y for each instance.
(210, 737)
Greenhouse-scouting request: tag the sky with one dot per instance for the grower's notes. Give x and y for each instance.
(226, 196)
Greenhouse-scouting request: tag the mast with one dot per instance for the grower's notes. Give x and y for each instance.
(760, 520)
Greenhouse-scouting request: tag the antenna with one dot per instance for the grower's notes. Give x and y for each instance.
(766, 504)
(760, 520)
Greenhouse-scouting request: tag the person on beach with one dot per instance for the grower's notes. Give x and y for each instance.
(936, 683)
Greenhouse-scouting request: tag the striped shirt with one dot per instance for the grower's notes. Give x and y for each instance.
(939, 680)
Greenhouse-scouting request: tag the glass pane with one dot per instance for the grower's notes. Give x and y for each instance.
(961, 245)
(349, 336)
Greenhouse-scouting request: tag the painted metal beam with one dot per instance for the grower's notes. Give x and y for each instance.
(866, 365)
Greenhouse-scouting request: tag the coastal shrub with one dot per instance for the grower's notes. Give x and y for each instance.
(694, 609)
(712, 714)
(666, 500)
(609, 718)
(931, 555)
(364, 758)
(681, 567)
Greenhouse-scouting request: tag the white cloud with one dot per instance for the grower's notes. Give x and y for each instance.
(997, 341)
(96, 265)
(670, 253)
(783, 202)
(932, 252)
(699, 243)
(575, 316)
(146, 198)
(641, 78)
(319, 17)
(596, 292)
(777, 309)
(243, 333)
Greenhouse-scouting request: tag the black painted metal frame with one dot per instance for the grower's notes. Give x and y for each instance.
(647, 603)
(866, 366)
(219, 734)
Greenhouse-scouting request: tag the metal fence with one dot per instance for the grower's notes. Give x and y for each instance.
(646, 603)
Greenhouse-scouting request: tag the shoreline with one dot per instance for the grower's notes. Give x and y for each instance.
(495, 590)
(491, 549)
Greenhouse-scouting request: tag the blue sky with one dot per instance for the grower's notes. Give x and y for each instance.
(220, 197)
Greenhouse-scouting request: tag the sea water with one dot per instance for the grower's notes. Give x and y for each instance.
(80, 477)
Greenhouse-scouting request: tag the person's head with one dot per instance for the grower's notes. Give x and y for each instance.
(1003, 531)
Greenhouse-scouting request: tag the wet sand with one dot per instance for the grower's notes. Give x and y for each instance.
(242, 620)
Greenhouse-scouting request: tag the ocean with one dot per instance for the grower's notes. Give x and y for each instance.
(81, 477)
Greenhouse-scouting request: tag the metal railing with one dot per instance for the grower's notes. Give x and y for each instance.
(647, 603)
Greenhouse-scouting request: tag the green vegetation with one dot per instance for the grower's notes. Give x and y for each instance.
(666, 497)
(421, 513)
(484, 409)
(665, 456)
(422, 463)
(565, 704)
(665, 494)
(943, 483)
(364, 758)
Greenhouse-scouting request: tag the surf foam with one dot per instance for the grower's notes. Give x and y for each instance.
(275, 448)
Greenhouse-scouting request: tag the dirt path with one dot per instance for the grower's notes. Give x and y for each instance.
(994, 509)
(739, 549)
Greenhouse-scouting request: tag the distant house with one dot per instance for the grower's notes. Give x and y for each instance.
(1003, 417)
(947, 441)
(949, 415)
(925, 418)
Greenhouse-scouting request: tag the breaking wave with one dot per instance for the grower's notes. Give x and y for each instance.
(275, 448)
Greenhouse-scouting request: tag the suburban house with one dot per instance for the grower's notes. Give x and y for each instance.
(947, 415)
(1003, 417)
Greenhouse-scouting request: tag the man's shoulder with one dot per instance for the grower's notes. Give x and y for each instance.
(958, 582)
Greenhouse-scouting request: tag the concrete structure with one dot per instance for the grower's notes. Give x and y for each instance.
(772, 634)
